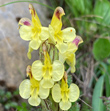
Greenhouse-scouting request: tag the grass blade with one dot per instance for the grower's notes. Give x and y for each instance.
(97, 103)
(27, 1)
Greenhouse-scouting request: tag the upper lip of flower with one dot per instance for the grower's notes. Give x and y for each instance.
(33, 30)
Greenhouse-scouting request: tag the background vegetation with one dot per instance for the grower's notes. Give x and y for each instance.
(91, 19)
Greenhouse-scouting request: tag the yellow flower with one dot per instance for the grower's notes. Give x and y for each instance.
(64, 95)
(58, 36)
(31, 89)
(69, 55)
(32, 30)
(47, 73)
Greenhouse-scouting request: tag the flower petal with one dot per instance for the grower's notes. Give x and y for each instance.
(25, 89)
(29, 52)
(51, 33)
(56, 22)
(62, 57)
(78, 40)
(35, 43)
(65, 105)
(72, 47)
(26, 32)
(56, 93)
(58, 70)
(34, 101)
(43, 92)
(25, 21)
(47, 83)
(62, 47)
(44, 33)
(37, 70)
(71, 60)
(74, 92)
(35, 18)
(68, 34)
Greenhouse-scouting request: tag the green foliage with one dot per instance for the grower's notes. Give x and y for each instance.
(79, 7)
(7, 100)
(101, 48)
(74, 107)
(102, 9)
(97, 103)
(23, 107)
(84, 106)
(69, 80)
(30, 1)
(106, 71)
(10, 105)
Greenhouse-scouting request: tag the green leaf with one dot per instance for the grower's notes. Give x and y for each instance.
(69, 79)
(107, 81)
(102, 8)
(79, 7)
(10, 104)
(74, 107)
(8, 95)
(101, 48)
(105, 69)
(85, 107)
(97, 103)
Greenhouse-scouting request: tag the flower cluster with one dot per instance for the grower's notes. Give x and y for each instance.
(49, 73)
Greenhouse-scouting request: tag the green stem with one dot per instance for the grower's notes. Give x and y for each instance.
(54, 106)
(44, 106)
(27, 1)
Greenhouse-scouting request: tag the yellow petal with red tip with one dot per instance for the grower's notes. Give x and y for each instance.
(25, 21)
(34, 15)
(56, 22)
(78, 40)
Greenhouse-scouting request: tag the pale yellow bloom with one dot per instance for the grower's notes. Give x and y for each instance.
(33, 90)
(57, 36)
(69, 55)
(33, 31)
(47, 73)
(64, 95)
